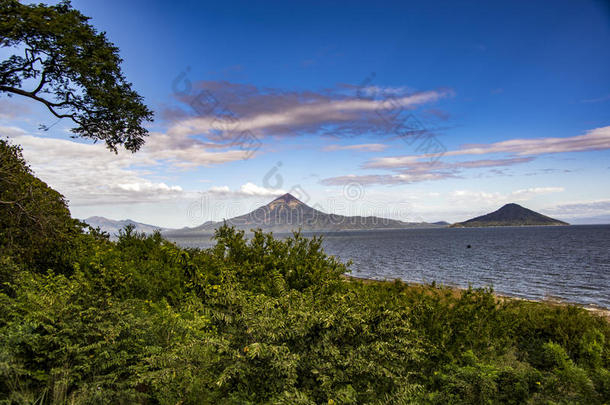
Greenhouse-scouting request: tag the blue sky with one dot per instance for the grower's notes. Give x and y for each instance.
(323, 97)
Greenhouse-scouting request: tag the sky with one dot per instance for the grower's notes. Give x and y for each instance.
(419, 111)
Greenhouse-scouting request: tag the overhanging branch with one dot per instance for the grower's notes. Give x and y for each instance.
(49, 104)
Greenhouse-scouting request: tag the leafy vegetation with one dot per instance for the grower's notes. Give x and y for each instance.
(36, 229)
(141, 320)
(61, 61)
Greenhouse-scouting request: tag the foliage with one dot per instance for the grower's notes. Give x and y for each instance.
(73, 70)
(35, 224)
(141, 320)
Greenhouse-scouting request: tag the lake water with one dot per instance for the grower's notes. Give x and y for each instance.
(569, 263)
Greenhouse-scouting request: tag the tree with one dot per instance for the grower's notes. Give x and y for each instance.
(36, 228)
(73, 70)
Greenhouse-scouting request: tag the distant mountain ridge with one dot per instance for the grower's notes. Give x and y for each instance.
(510, 215)
(114, 226)
(287, 213)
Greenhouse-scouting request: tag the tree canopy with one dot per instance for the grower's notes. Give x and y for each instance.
(35, 223)
(61, 61)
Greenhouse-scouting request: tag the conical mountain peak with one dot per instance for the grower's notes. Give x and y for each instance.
(286, 200)
(512, 205)
(510, 215)
(286, 197)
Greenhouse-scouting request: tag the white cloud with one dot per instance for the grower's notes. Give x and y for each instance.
(374, 91)
(185, 152)
(403, 178)
(579, 209)
(413, 163)
(88, 173)
(594, 139)
(219, 190)
(148, 186)
(315, 113)
(11, 132)
(468, 197)
(246, 190)
(415, 168)
(411, 170)
(527, 193)
(392, 162)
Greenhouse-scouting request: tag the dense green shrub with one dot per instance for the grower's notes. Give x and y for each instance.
(141, 320)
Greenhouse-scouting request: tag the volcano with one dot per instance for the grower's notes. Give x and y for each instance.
(510, 215)
(287, 213)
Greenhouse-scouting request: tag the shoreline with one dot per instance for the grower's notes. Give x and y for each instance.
(602, 312)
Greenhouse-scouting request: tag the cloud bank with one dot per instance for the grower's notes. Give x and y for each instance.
(424, 167)
(88, 174)
(223, 111)
(594, 139)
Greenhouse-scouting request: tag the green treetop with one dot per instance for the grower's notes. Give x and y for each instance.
(61, 61)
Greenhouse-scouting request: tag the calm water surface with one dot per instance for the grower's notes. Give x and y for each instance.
(570, 263)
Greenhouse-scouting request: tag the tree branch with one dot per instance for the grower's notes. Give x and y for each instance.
(26, 67)
(43, 81)
(49, 104)
(24, 211)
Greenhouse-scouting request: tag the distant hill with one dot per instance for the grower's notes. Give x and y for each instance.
(287, 213)
(113, 226)
(440, 223)
(510, 215)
